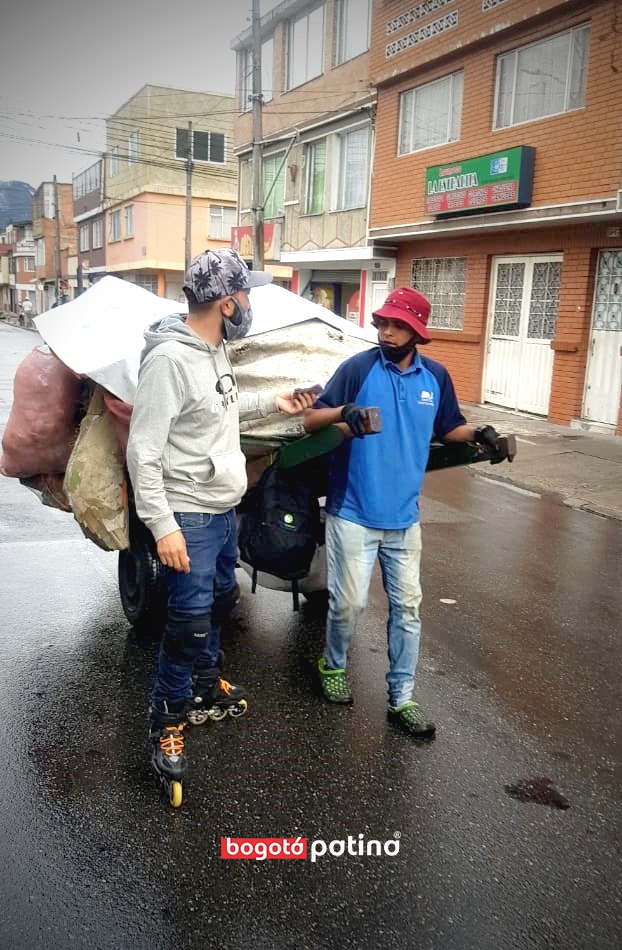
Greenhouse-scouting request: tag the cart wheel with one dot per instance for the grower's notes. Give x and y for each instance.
(141, 583)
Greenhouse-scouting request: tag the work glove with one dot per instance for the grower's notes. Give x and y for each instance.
(356, 418)
(488, 437)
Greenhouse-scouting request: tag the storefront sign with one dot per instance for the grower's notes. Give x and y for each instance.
(497, 181)
(242, 241)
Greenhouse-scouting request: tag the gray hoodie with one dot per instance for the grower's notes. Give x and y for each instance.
(184, 449)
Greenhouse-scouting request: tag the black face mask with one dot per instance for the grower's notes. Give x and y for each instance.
(395, 354)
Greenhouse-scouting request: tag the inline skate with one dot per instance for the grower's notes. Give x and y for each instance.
(166, 740)
(214, 697)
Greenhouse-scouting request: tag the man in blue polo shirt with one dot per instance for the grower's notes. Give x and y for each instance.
(372, 503)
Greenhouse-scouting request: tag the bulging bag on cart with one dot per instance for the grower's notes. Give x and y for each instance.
(95, 479)
(279, 525)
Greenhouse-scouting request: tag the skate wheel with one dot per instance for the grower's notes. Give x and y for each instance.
(239, 709)
(175, 794)
(196, 717)
(216, 713)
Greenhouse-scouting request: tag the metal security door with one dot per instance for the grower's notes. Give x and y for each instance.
(523, 315)
(603, 379)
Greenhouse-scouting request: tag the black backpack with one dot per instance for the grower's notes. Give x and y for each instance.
(279, 526)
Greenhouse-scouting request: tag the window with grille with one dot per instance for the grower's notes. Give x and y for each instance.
(206, 146)
(544, 300)
(542, 79)
(147, 282)
(431, 114)
(442, 280)
(508, 298)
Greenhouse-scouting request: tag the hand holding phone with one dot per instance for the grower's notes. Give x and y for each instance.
(314, 390)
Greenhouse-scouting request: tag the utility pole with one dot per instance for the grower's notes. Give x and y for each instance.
(189, 156)
(257, 185)
(58, 276)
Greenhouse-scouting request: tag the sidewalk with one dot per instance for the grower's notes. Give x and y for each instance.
(584, 469)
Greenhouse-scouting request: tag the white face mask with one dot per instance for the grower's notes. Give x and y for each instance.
(238, 324)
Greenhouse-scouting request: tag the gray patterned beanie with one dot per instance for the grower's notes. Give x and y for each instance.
(220, 273)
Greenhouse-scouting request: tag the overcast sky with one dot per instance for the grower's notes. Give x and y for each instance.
(68, 64)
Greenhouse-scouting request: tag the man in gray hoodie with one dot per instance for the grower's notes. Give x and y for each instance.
(188, 473)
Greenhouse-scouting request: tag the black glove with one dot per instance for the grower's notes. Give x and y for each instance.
(488, 437)
(356, 418)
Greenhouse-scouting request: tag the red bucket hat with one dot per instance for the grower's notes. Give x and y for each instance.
(409, 306)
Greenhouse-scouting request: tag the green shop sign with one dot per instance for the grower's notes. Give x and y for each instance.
(499, 180)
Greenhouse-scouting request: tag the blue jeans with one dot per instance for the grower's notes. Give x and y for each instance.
(351, 552)
(212, 546)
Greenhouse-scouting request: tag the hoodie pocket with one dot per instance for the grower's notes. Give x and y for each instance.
(227, 473)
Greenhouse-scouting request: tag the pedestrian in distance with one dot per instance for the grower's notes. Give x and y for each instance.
(25, 312)
(188, 473)
(372, 503)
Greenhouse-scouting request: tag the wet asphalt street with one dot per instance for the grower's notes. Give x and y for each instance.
(520, 666)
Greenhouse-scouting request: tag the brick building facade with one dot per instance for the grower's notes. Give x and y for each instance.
(524, 269)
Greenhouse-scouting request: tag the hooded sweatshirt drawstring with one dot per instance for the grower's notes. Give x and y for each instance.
(186, 442)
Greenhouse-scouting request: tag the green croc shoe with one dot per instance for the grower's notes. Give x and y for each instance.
(334, 684)
(411, 719)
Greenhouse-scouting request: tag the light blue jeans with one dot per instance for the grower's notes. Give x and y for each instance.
(351, 552)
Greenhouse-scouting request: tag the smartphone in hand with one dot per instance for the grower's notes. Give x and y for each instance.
(315, 389)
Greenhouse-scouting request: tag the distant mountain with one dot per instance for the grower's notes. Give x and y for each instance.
(15, 202)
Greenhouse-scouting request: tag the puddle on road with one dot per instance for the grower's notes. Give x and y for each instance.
(538, 790)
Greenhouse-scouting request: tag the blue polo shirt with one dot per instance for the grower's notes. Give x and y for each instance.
(375, 481)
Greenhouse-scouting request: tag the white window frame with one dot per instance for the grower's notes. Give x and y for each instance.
(113, 162)
(132, 147)
(128, 221)
(114, 226)
(443, 281)
(87, 181)
(29, 264)
(343, 198)
(511, 106)
(98, 233)
(84, 237)
(314, 198)
(220, 220)
(353, 29)
(246, 75)
(304, 62)
(40, 252)
(147, 282)
(274, 198)
(412, 114)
